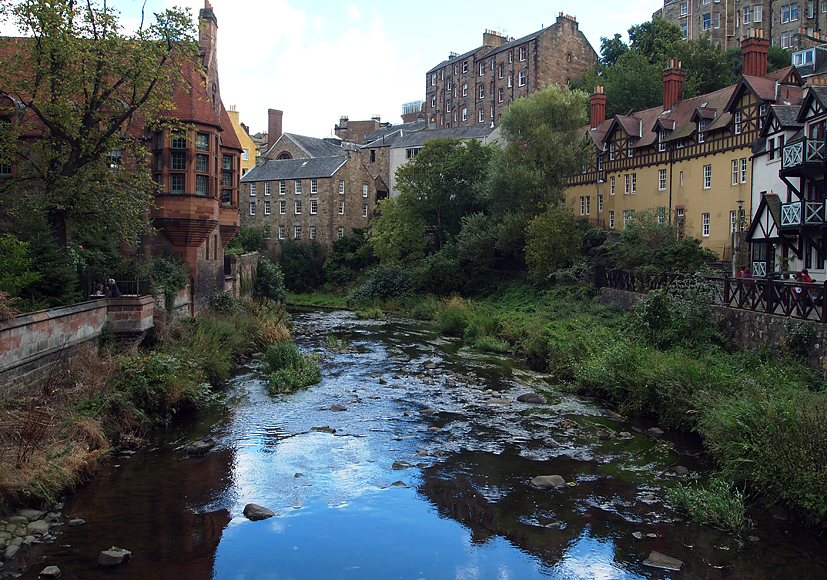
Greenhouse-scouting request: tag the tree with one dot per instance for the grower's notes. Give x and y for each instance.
(612, 49)
(655, 39)
(554, 240)
(397, 236)
(439, 186)
(79, 93)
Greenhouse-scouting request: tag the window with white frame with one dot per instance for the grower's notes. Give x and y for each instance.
(433, 80)
(747, 14)
(785, 40)
(683, 9)
(588, 205)
(662, 140)
(501, 71)
(611, 151)
(756, 13)
(314, 206)
(734, 172)
(611, 185)
(625, 218)
(341, 208)
(267, 207)
(707, 22)
(522, 52)
(582, 205)
(465, 89)
(340, 232)
(482, 68)
(794, 12)
(701, 127)
(733, 221)
(464, 66)
(737, 119)
(266, 188)
(634, 183)
(771, 148)
(707, 176)
(500, 94)
(482, 91)
(661, 215)
(297, 232)
(341, 187)
(743, 169)
(298, 187)
(810, 9)
(628, 180)
(611, 219)
(252, 190)
(252, 208)
(510, 81)
(245, 154)
(282, 207)
(661, 179)
(464, 113)
(600, 163)
(481, 116)
(600, 203)
(314, 186)
(522, 80)
(365, 210)
(281, 232)
(716, 20)
(282, 187)
(364, 190)
(705, 225)
(298, 207)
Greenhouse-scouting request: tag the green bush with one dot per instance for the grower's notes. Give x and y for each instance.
(301, 264)
(439, 273)
(269, 282)
(385, 282)
(224, 302)
(720, 505)
(289, 369)
(249, 239)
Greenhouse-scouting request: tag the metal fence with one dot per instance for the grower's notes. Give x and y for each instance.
(134, 287)
(785, 298)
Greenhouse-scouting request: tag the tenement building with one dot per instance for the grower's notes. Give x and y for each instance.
(475, 87)
(690, 160)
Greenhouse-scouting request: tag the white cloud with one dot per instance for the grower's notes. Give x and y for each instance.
(353, 12)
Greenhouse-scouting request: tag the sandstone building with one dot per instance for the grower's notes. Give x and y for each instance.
(475, 87)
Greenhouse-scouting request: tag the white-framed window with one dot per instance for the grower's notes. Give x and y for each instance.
(701, 127)
(298, 187)
(340, 232)
(684, 29)
(281, 232)
(747, 14)
(267, 207)
(449, 84)
(679, 212)
(628, 181)
(683, 9)
(341, 208)
(500, 94)
(629, 151)
(465, 89)
(266, 188)
(314, 186)
(464, 66)
(600, 163)
(501, 71)
(785, 40)
(341, 187)
(662, 140)
(588, 205)
(298, 207)
(600, 203)
(510, 81)
(364, 210)
(705, 2)
(810, 9)
(707, 21)
(522, 79)
(734, 172)
(252, 208)
(611, 151)
(252, 190)
(705, 224)
(433, 100)
(523, 53)
(612, 185)
(245, 154)
(681, 178)
(282, 207)
(364, 190)
(482, 68)
(611, 219)
(482, 91)
(716, 20)
(464, 114)
(297, 232)
(625, 218)
(756, 13)
(743, 169)
(707, 176)
(433, 80)
(282, 187)
(661, 215)
(582, 205)
(661, 180)
(733, 221)
(737, 118)
(794, 12)
(634, 183)
(771, 148)
(448, 106)
(481, 116)
(314, 206)
(312, 232)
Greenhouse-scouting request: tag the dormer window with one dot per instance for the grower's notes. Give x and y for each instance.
(701, 127)
(737, 118)
(611, 151)
(662, 134)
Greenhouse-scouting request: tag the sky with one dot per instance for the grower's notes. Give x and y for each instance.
(317, 60)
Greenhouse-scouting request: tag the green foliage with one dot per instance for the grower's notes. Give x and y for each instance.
(440, 273)
(553, 240)
(720, 505)
(301, 263)
(269, 281)
(384, 283)
(799, 338)
(249, 239)
(370, 313)
(225, 303)
(56, 266)
(16, 268)
(170, 274)
(289, 369)
(83, 82)
(332, 342)
(778, 58)
(350, 255)
(397, 236)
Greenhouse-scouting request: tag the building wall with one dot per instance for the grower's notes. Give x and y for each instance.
(247, 144)
(381, 164)
(287, 145)
(356, 131)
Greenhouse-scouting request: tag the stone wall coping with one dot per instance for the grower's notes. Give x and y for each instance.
(53, 313)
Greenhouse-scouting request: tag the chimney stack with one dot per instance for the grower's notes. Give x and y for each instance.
(273, 127)
(754, 53)
(673, 78)
(598, 106)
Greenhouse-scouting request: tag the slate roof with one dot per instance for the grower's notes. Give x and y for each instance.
(279, 169)
(391, 129)
(312, 146)
(470, 132)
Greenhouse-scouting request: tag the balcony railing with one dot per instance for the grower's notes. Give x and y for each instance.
(797, 213)
(801, 152)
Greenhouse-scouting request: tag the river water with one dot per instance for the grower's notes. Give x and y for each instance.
(425, 475)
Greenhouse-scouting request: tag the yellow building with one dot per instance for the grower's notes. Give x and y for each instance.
(248, 147)
(690, 159)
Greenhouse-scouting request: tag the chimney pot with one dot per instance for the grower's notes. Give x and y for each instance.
(274, 121)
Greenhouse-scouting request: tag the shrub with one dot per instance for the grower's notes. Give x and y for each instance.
(385, 282)
(720, 505)
(224, 302)
(289, 369)
(269, 282)
(301, 264)
(440, 273)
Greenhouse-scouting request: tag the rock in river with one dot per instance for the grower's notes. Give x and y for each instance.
(531, 398)
(338, 408)
(201, 446)
(655, 432)
(113, 557)
(548, 482)
(658, 560)
(50, 572)
(255, 512)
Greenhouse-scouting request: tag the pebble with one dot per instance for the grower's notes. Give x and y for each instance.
(50, 572)
(76, 522)
(655, 432)
(338, 408)
(397, 465)
(638, 535)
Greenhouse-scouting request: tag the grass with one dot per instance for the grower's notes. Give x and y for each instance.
(720, 505)
(289, 369)
(318, 300)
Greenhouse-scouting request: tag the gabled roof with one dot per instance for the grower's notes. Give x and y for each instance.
(764, 225)
(418, 139)
(313, 146)
(391, 129)
(781, 117)
(816, 96)
(279, 169)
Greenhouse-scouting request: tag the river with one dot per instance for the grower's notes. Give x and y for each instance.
(425, 475)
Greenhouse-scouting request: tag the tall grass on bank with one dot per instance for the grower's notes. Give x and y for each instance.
(289, 369)
(720, 505)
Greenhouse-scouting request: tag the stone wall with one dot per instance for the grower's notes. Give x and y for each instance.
(241, 279)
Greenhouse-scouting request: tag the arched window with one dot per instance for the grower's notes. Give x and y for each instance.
(284, 155)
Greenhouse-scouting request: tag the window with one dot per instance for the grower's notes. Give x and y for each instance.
(785, 40)
(810, 9)
(793, 12)
(464, 66)
(298, 186)
(482, 91)
(510, 81)
(600, 163)
(683, 9)
(449, 84)
(201, 184)
(433, 80)
(456, 68)
(628, 179)
(785, 14)
(733, 221)
(266, 188)
(281, 232)
(705, 224)
(662, 140)
(341, 187)
(611, 220)
(599, 204)
(683, 29)
(252, 190)
(707, 21)
(521, 82)
(681, 178)
(202, 142)
(464, 114)
(298, 207)
(340, 232)
(297, 232)
(625, 218)
(177, 183)
(341, 208)
(201, 163)
(737, 118)
(661, 215)
(734, 172)
(701, 126)
(365, 210)
(227, 162)
(743, 169)
(500, 94)
(179, 161)
(482, 68)
(178, 142)
(227, 179)
(314, 206)
(716, 21)
(409, 153)
(510, 56)
(267, 207)
(522, 53)
(364, 190)
(611, 185)
(481, 116)
(245, 154)
(5, 168)
(611, 151)
(312, 232)
(252, 208)
(282, 207)
(582, 205)
(707, 176)
(433, 100)
(747, 14)
(629, 151)
(679, 212)
(588, 205)
(500, 71)
(756, 13)
(771, 149)
(447, 110)
(661, 179)
(634, 183)
(282, 187)
(465, 89)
